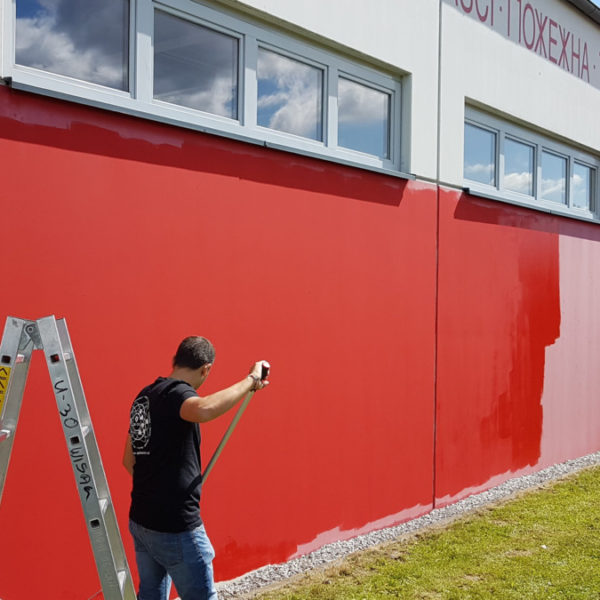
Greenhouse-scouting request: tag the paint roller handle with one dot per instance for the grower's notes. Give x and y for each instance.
(264, 373)
(259, 374)
(264, 370)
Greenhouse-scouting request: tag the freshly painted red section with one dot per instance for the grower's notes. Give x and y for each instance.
(499, 309)
(425, 344)
(503, 408)
(140, 234)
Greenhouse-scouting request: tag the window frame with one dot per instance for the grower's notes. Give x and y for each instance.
(167, 107)
(276, 134)
(394, 118)
(497, 153)
(545, 149)
(502, 165)
(252, 34)
(540, 142)
(594, 192)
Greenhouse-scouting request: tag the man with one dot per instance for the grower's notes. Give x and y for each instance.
(162, 453)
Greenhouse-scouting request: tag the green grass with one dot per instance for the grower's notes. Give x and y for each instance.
(543, 544)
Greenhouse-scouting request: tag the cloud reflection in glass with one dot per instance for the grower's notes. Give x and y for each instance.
(290, 95)
(85, 40)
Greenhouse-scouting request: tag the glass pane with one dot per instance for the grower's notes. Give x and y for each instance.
(86, 40)
(480, 155)
(289, 95)
(582, 186)
(554, 178)
(518, 167)
(363, 118)
(195, 66)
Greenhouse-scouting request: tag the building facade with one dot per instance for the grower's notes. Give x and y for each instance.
(396, 203)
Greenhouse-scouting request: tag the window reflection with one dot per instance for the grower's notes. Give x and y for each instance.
(518, 167)
(554, 177)
(289, 95)
(582, 186)
(195, 66)
(86, 40)
(363, 118)
(480, 155)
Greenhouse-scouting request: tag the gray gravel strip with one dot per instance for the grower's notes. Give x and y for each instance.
(251, 582)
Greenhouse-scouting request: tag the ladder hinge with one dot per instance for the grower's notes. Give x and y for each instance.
(32, 331)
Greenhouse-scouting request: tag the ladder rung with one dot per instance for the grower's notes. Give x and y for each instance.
(103, 505)
(5, 434)
(122, 576)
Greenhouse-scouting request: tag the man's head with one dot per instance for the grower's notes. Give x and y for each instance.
(194, 352)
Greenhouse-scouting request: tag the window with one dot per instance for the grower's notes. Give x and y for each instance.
(84, 40)
(512, 163)
(195, 66)
(582, 186)
(290, 95)
(554, 177)
(364, 118)
(480, 154)
(199, 66)
(518, 166)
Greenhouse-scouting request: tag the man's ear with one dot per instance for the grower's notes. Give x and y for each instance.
(206, 369)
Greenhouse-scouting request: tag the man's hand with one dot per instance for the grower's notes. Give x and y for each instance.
(259, 373)
(203, 409)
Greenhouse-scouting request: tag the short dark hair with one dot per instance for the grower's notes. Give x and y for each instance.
(194, 352)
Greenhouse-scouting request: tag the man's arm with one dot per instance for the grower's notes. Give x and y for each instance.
(128, 457)
(202, 409)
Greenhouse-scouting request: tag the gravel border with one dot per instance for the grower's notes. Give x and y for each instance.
(251, 582)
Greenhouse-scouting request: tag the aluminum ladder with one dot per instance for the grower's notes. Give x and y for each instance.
(21, 337)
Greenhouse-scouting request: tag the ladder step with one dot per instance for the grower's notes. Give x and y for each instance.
(122, 576)
(55, 358)
(103, 505)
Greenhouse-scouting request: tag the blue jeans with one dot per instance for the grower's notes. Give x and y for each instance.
(185, 558)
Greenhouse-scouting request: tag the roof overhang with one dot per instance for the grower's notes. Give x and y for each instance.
(589, 8)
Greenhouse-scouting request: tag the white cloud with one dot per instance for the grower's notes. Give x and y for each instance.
(480, 172)
(216, 99)
(47, 40)
(579, 181)
(553, 189)
(361, 104)
(581, 191)
(519, 182)
(296, 97)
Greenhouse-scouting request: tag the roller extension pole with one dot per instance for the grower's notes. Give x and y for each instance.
(232, 426)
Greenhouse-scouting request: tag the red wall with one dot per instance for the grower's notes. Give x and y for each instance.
(518, 331)
(140, 234)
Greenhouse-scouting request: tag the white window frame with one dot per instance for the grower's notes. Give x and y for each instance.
(501, 169)
(379, 85)
(174, 111)
(503, 129)
(292, 52)
(251, 34)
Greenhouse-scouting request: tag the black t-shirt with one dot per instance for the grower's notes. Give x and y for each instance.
(167, 471)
